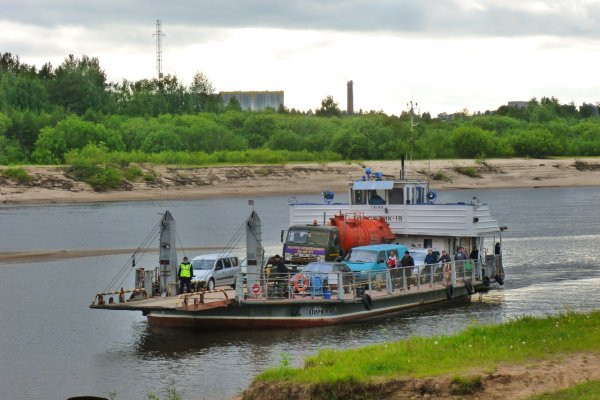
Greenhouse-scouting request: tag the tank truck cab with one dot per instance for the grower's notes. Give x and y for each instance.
(310, 243)
(313, 242)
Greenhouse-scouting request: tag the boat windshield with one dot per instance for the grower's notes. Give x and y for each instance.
(203, 264)
(358, 255)
(308, 237)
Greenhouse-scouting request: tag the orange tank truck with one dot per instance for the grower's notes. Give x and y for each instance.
(307, 243)
(356, 230)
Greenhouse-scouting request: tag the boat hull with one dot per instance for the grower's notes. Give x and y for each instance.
(252, 314)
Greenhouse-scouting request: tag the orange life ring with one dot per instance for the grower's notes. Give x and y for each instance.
(300, 287)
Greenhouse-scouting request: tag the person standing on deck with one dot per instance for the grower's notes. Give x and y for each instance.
(428, 267)
(474, 256)
(392, 264)
(430, 258)
(407, 262)
(446, 266)
(392, 261)
(460, 254)
(445, 258)
(185, 276)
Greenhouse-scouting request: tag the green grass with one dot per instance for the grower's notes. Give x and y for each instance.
(585, 391)
(18, 175)
(484, 347)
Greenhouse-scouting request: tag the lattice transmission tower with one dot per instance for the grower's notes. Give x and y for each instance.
(159, 35)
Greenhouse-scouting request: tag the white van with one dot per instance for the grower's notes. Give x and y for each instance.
(212, 270)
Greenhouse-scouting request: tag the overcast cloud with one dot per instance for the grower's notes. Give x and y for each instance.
(455, 53)
(438, 17)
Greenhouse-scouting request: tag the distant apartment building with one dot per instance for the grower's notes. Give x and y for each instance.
(255, 101)
(518, 104)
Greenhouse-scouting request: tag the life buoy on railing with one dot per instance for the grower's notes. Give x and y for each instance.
(469, 287)
(367, 302)
(300, 282)
(449, 291)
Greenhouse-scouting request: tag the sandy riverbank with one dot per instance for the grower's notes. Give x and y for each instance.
(50, 185)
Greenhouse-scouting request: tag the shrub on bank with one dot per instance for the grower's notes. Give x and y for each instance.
(18, 175)
(89, 165)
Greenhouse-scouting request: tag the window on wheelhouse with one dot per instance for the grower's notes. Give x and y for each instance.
(359, 197)
(376, 197)
(420, 195)
(396, 196)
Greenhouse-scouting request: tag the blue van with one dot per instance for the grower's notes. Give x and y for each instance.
(372, 258)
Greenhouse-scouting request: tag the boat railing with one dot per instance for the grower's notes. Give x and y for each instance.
(342, 285)
(139, 293)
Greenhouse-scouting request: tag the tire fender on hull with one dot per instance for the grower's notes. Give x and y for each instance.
(469, 287)
(486, 281)
(449, 291)
(367, 302)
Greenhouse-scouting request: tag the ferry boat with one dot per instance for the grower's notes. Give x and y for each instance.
(263, 299)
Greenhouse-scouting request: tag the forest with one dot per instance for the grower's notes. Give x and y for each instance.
(58, 115)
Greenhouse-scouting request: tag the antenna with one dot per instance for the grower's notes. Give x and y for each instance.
(159, 35)
(412, 125)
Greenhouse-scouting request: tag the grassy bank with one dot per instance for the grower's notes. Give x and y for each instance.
(585, 391)
(482, 347)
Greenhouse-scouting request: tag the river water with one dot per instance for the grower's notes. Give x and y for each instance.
(53, 346)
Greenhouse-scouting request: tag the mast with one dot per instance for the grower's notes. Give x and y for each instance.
(254, 249)
(168, 253)
(412, 126)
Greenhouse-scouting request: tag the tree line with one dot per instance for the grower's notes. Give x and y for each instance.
(51, 113)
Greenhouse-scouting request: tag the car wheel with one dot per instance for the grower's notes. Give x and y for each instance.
(211, 284)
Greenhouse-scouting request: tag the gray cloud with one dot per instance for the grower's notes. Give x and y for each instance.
(435, 18)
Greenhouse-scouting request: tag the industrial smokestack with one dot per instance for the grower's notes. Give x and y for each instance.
(350, 105)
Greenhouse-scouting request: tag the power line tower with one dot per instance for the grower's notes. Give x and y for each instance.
(159, 35)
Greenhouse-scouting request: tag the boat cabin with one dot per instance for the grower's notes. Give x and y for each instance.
(378, 192)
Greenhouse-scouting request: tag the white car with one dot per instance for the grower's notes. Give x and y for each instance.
(212, 270)
(418, 255)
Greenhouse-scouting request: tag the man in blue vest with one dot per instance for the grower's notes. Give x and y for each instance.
(185, 275)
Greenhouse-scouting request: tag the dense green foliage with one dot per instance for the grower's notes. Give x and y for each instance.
(46, 113)
(521, 340)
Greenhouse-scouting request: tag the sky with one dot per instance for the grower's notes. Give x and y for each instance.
(444, 55)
